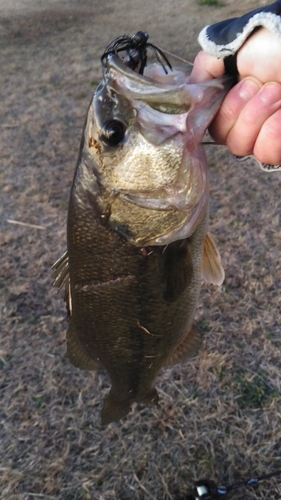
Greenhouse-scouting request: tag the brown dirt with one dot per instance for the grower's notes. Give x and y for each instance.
(220, 414)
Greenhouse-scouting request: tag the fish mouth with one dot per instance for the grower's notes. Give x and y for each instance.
(166, 98)
(185, 201)
(184, 230)
(179, 194)
(164, 194)
(175, 97)
(165, 198)
(166, 217)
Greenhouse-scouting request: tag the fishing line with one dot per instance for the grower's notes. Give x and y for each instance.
(206, 489)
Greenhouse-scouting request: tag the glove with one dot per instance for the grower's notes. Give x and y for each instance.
(225, 38)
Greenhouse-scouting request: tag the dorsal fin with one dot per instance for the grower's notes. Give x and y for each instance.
(77, 353)
(61, 271)
(212, 270)
(61, 276)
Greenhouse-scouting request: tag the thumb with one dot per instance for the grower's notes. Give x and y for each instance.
(206, 67)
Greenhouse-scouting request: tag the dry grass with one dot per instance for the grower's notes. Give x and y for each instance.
(220, 414)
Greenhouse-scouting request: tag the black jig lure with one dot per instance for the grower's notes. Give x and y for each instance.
(136, 48)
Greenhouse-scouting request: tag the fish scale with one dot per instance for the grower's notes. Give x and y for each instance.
(155, 290)
(136, 253)
(110, 318)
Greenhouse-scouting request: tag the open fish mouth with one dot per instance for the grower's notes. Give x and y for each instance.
(170, 92)
(159, 164)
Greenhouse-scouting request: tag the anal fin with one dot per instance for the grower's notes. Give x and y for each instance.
(187, 348)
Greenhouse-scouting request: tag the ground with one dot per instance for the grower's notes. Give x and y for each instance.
(220, 413)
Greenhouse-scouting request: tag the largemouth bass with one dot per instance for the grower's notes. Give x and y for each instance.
(137, 231)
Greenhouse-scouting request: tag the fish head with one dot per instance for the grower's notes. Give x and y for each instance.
(142, 142)
(127, 139)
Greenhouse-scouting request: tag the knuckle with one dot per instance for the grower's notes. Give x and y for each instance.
(272, 130)
(268, 145)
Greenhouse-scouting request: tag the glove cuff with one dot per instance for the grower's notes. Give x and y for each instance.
(226, 37)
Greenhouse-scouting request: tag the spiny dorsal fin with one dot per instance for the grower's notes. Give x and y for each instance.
(61, 271)
(61, 276)
(212, 270)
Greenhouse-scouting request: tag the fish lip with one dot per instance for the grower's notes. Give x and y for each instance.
(134, 86)
(183, 230)
(166, 197)
(115, 63)
(177, 191)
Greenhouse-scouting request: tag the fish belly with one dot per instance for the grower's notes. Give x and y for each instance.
(131, 307)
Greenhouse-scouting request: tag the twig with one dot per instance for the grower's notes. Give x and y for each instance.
(12, 221)
(8, 126)
(39, 495)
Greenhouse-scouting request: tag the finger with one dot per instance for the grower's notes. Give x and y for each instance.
(260, 56)
(206, 67)
(267, 148)
(243, 135)
(232, 106)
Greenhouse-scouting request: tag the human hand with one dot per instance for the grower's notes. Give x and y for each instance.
(249, 120)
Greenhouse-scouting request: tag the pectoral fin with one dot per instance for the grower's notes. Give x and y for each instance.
(187, 347)
(77, 354)
(212, 270)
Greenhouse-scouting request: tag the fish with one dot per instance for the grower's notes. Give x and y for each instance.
(138, 243)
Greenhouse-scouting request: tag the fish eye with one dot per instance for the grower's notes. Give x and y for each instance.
(113, 132)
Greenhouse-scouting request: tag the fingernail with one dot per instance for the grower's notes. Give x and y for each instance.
(270, 93)
(248, 89)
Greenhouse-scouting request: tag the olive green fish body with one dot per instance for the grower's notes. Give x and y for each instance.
(131, 306)
(137, 235)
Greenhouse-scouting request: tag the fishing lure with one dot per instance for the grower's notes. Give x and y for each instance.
(136, 48)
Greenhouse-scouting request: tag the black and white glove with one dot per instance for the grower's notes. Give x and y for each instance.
(225, 38)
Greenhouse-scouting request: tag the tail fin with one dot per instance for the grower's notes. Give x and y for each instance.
(150, 398)
(114, 410)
